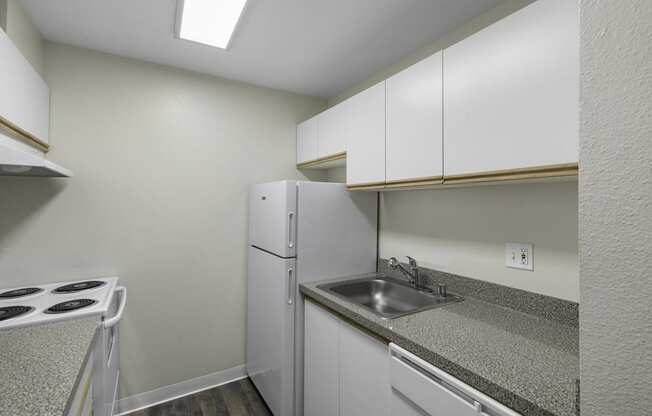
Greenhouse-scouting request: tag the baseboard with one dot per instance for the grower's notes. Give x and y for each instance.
(174, 391)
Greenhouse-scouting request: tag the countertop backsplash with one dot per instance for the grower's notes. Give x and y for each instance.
(560, 310)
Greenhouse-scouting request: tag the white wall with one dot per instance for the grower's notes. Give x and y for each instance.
(162, 160)
(616, 207)
(464, 230)
(24, 34)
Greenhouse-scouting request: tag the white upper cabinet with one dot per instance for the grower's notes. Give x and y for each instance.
(25, 98)
(511, 92)
(332, 128)
(307, 140)
(414, 121)
(365, 137)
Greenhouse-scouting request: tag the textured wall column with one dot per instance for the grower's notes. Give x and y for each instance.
(615, 207)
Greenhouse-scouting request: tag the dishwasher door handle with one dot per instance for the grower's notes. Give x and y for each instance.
(474, 401)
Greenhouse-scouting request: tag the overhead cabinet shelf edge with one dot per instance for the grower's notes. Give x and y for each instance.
(327, 162)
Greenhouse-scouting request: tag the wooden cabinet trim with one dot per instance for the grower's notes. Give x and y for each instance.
(22, 135)
(369, 186)
(316, 162)
(549, 171)
(522, 174)
(415, 182)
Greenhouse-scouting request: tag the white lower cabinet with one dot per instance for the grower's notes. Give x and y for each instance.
(364, 373)
(346, 370)
(350, 373)
(321, 369)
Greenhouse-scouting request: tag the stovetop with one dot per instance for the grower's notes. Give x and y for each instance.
(35, 304)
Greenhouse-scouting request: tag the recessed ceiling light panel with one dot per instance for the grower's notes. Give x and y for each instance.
(210, 22)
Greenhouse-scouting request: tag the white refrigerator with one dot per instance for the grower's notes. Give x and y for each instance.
(298, 232)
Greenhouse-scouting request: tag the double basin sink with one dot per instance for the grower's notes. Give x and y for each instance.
(387, 297)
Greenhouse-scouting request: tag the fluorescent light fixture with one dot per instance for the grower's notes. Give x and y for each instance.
(210, 22)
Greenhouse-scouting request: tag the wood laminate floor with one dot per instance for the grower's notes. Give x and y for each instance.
(239, 398)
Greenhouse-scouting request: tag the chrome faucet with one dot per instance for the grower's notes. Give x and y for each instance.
(412, 274)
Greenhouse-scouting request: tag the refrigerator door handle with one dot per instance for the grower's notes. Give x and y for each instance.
(290, 286)
(291, 229)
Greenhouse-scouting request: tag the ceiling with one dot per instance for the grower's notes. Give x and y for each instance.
(312, 47)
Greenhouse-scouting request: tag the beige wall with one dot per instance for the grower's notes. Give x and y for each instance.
(3, 15)
(24, 34)
(464, 230)
(162, 160)
(336, 175)
(615, 207)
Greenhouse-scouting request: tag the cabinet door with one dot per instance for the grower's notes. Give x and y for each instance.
(365, 137)
(307, 140)
(332, 130)
(511, 92)
(25, 98)
(321, 371)
(414, 121)
(364, 374)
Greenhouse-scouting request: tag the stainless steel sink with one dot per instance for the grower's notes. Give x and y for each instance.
(387, 297)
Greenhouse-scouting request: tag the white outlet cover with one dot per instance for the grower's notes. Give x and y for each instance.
(519, 256)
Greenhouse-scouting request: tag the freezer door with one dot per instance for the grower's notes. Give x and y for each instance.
(272, 217)
(270, 328)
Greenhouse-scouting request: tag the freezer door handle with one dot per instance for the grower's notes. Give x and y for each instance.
(290, 286)
(291, 229)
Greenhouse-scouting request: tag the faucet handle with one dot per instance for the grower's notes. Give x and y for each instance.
(413, 262)
(393, 262)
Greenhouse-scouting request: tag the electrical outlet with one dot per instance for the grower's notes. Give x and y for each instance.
(519, 256)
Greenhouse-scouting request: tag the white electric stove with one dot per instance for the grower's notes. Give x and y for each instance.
(30, 305)
(101, 297)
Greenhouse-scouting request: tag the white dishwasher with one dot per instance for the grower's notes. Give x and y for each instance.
(420, 389)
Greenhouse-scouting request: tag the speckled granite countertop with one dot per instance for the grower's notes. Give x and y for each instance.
(526, 362)
(39, 365)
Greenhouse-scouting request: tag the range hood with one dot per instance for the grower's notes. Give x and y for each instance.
(16, 162)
